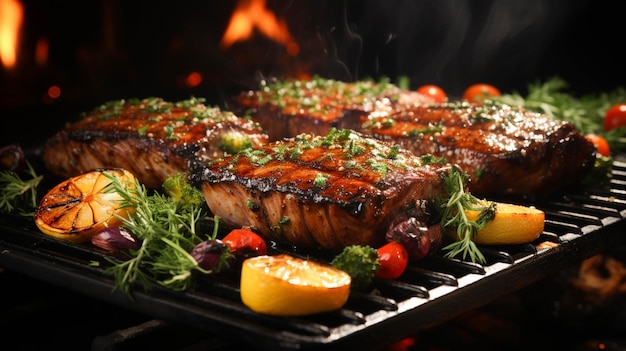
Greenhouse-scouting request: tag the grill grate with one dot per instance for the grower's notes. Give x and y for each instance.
(579, 224)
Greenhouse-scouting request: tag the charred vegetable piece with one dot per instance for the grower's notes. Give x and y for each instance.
(12, 158)
(116, 239)
(417, 237)
(211, 255)
(244, 243)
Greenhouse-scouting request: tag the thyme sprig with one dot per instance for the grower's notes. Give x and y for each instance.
(168, 227)
(454, 217)
(19, 195)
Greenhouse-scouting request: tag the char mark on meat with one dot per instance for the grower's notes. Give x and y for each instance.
(505, 150)
(152, 138)
(325, 192)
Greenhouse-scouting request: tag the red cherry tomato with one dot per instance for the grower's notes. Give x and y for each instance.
(244, 243)
(615, 117)
(478, 92)
(600, 143)
(434, 91)
(393, 259)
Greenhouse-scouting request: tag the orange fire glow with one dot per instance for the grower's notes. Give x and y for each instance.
(252, 14)
(11, 13)
(41, 51)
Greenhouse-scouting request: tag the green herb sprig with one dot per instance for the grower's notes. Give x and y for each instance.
(167, 226)
(454, 218)
(586, 112)
(19, 195)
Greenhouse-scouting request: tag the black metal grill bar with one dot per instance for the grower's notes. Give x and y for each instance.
(432, 286)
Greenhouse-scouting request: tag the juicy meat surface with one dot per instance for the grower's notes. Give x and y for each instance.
(506, 151)
(325, 192)
(291, 107)
(151, 138)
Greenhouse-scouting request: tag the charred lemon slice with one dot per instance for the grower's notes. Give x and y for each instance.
(284, 285)
(512, 224)
(80, 206)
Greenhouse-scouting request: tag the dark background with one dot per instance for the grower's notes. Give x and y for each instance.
(104, 50)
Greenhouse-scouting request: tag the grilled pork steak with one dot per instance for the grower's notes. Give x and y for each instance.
(506, 151)
(326, 192)
(291, 107)
(152, 138)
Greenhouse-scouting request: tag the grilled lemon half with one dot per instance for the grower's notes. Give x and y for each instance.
(80, 206)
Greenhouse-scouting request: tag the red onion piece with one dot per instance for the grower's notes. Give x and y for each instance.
(209, 253)
(12, 158)
(116, 239)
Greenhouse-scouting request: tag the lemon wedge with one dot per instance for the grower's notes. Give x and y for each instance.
(512, 224)
(283, 285)
(79, 206)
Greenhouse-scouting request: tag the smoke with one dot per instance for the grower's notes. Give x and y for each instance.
(452, 43)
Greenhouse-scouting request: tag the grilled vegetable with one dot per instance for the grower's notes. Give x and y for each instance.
(615, 117)
(177, 187)
(12, 158)
(479, 92)
(416, 236)
(360, 262)
(244, 243)
(434, 91)
(211, 255)
(116, 240)
(600, 143)
(393, 259)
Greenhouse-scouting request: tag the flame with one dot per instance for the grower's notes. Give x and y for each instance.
(41, 51)
(252, 14)
(11, 12)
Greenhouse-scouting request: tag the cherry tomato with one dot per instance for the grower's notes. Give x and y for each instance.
(600, 143)
(434, 91)
(478, 92)
(615, 117)
(393, 259)
(244, 243)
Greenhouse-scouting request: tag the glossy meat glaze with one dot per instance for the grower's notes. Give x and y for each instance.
(152, 138)
(506, 150)
(326, 192)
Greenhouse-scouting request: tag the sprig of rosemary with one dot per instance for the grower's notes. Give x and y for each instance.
(168, 228)
(19, 195)
(454, 218)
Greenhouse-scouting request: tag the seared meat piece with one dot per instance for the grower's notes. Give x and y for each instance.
(152, 138)
(505, 150)
(323, 191)
(291, 107)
